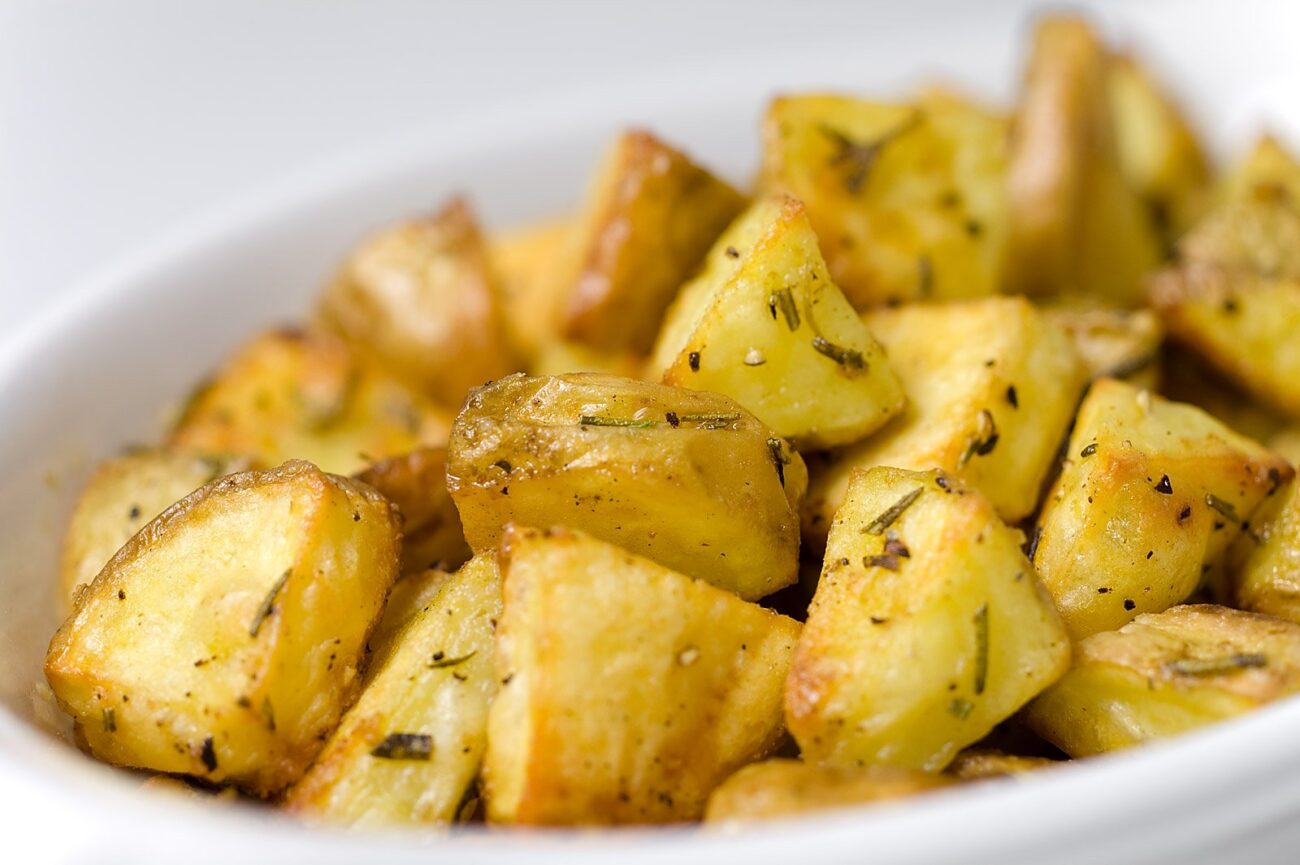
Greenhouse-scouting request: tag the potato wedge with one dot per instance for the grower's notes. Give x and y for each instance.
(1159, 155)
(782, 788)
(1166, 673)
(124, 494)
(1114, 343)
(975, 764)
(289, 394)
(764, 324)
(635, 708)
(909, 201)
(1151, 495)
(409, 751)
(914, 560)
(410, 594)
(419, 298)
(651, 216)
(1077, 228)
(529, 265)
(431, 532)
(992, 386)
(223, 640)
(686, 478)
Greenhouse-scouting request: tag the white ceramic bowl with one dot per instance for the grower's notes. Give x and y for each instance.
(99, 369)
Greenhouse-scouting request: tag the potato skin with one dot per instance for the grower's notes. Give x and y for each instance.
(1152, 493)
(962, 365)
(908, 200)
(812, 371)
(292, 394)
(635, 709)
(782, 788)
(437, 681)
(651, 216)
(419, 297)
(1167, 673)
(417, 483)
(917, 559)
(223, 640)
(124, 494)
(686, 478)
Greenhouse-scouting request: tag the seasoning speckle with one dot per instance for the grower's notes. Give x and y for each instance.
(1164, 487)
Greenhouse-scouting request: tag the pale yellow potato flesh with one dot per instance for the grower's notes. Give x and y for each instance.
(929, 627)
(629, 691)
(529, 265)
(224, 640)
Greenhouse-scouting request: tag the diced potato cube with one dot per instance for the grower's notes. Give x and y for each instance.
(686, 478)
(781, 788)
(976, 764)
(288, 394)
(409, 750)
(417, 483)
(419, 298)
(1166, 673)
(1077, 228)
(992, 386)
(909, 200)
(124, 494)
(651, 216)
(1151, 495)
(629, 691)
(765, 325)
(1114, 343)
(528, 264)
(929, 627)
(223, 640)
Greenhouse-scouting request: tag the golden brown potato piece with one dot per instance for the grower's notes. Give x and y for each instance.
(1268, 170)
(1264, 561)
(1159, 155)
(410, 594)
(124, 494)
(223, 640)
(530, 266)
(417, 483)
(1151, 495)
(915, 559)
(288, 394)
(409, 750)
(1114, 343)
(909, 201)
(687, 478)
(628, 691)
(782, 788)
(765, 325)
(650, 218)
(992, 386)
(419, 297)
(1077, 228)
(1166, 673)
(975, 764)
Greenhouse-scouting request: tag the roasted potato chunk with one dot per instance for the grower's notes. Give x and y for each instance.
(634, 710)
(1114, 343)
(1151, 495)
(419, 297)
(124, 494)
(975, 764)
(781, 788)
(417, 483)
(765, 325)
(909, 200)
(1166, 673)
(529, 264)
(992, 386)
(915, 559)
(1159, 155)
(409, 750)
(651, 216)
(1077, 228)
(1264, 561)
(409, 596)
(289, 394)
(1269, 169)
(223, 640)
(686, 478)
